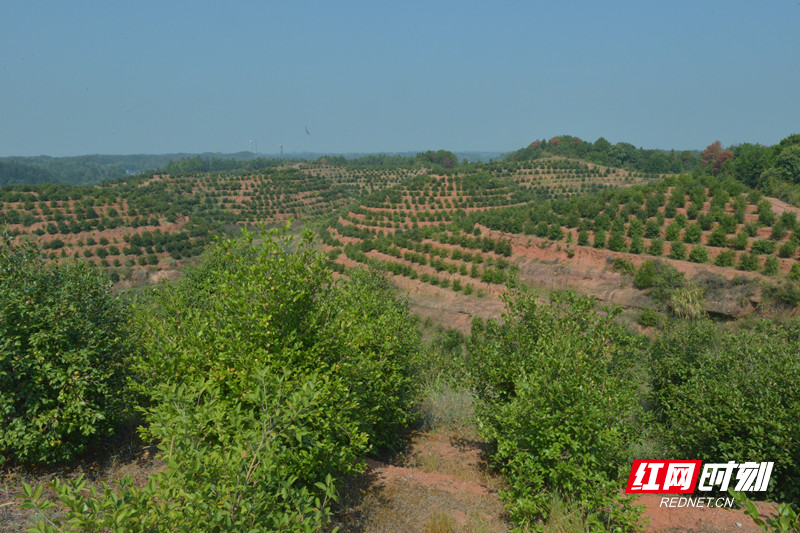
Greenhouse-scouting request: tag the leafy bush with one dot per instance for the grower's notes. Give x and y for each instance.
(623, 266)
(794, 273)
(688, 301)
(749, 262)
(725, 258)
(699, 254)
(787, 294)
(649, 318)
(659, 277)
(677, 250)
(65, 347)
(268, 381)
(787, 249)
(556, 396)
(732, 396)
(762, 247)
(771, 265)
(656, 247)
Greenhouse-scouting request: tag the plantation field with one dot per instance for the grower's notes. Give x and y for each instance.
(161, 222)
(469, 234)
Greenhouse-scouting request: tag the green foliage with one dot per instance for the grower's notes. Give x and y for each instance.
(649, 318)
(86, 509)
(740, 241)
(65, 347)
(617, 242)
(726, 258)
(556, 396)
(718, 237)
(623, 266)
(787, 520)
(771, 265)
(749, 262)
(622, 154)
(692, 233)
(688, 301)
(659, 278)
(673, 231)
(762, 247)
(794, 273)
(677, 250)
(267, 381)
(787, 295)
(731, 396)
(599, 239)
(787, 249)
(656, 247)
(699, 254)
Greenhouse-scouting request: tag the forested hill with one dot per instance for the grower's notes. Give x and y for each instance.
(90, 169)
(620, 155)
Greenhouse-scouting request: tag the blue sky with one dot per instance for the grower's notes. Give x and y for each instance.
(117, 77)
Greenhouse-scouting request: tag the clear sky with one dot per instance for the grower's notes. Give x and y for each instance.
(123, 77)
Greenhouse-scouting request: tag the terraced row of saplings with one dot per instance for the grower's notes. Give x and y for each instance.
(456, 232)
(723, 224)
(409, 230)
(159, 221)
(557, 177)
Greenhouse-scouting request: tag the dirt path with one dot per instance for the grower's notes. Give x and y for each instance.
(441, 483)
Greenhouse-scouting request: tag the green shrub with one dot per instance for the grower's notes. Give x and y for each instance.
(673, 231)
(762, 247)
(692, 234)
(787, 294)
(65, 347)
(771, 266)
(749, 262)
(660, 278)
(740, 241)
(787, 249)
(688, 301)
(677, 250)
(732, 396)
(266, 381)
(556, 395)
(794, 273)
(623, 266)
(699, 254)
(599, 239)
(637, 245)
(649, 318)
(725, 258)
(617, 242)
(656, 247)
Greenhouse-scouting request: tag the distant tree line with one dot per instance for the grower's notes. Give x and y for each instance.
(602, 152)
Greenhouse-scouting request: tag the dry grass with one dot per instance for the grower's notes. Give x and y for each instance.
(565, 517)
(445, 406)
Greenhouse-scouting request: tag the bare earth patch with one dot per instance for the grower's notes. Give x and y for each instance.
(699, 519)
(441, 483)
